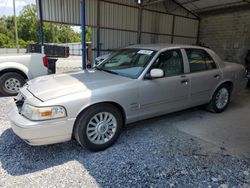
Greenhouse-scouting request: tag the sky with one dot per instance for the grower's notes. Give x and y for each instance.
(6, 6)
(6, 9)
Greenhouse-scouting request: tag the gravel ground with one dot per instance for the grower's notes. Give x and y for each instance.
(72, 63)
(152, 153)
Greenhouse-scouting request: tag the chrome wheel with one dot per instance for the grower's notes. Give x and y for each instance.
(101, 128)
(12, 85)
(222, 98)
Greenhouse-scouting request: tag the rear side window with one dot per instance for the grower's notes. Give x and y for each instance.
(200, 60)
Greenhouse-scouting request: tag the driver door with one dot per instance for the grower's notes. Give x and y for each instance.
(169, 93)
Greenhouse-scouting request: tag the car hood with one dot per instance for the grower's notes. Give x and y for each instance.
(54, 86)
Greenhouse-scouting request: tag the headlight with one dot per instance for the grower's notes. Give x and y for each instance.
(43, 113)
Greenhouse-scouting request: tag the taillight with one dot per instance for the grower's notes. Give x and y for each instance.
(45, 61)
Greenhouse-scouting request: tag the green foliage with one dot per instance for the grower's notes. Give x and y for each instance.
(28, 30)
(4, 39)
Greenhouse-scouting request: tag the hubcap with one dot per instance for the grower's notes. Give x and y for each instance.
(12, 85)
(101, 128)
(222, 98)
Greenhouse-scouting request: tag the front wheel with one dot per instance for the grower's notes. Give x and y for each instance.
(10, 83)
(98, 127)
(220, 99)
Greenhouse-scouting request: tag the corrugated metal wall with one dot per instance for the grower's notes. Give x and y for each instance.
(62, 11)
(118, 16)
(186, 27)
(118, 21)
(155, 22)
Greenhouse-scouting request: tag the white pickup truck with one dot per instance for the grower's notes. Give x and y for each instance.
(15, 70)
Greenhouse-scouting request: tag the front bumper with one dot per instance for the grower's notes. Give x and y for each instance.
(40, 132)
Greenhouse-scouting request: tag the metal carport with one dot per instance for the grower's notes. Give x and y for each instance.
(118, 23)
(224, 26)
(201, 6)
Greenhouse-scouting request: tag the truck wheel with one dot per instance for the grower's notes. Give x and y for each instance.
(220, 99)
(98, 127)
(10, 83)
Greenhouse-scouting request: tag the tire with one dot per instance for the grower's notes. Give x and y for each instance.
(214, 105)
(89, 66)
(10, 83)
(83, 128)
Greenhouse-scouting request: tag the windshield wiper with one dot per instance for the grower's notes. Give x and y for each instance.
(98, 68)
(109, 71)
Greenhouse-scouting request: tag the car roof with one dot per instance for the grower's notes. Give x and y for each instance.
(162, 46)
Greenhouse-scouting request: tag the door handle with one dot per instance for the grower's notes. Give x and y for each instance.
(217, 76)
(185, 81)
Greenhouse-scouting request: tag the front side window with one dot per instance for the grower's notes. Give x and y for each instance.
(170, 62)
(127, 62)
(199, 60)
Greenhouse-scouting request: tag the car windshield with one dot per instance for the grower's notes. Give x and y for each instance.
(127, 62)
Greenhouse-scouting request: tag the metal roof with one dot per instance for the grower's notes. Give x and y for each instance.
(199, 6)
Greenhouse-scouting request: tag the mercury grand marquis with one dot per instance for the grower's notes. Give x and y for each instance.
(132, 84)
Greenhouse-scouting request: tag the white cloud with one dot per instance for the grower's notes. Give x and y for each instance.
(76, 29)
(9, 3)
(6, 6)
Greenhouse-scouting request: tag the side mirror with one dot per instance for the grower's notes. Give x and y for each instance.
(156, 73)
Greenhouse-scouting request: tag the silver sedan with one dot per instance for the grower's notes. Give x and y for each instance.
(132, 84)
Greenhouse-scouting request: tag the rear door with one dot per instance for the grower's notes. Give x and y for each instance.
(204, 76)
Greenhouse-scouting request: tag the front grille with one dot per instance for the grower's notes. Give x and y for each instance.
(19, 103)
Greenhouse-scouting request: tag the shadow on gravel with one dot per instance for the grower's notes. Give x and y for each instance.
(151, 153)
(3, 96)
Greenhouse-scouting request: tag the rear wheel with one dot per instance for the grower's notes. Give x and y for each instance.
(98, 127)
(10, 83)
(220, 99)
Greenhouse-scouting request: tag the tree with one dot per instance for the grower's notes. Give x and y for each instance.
(28, 25)
(28, 30)
(6, 33)
(3, 40)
